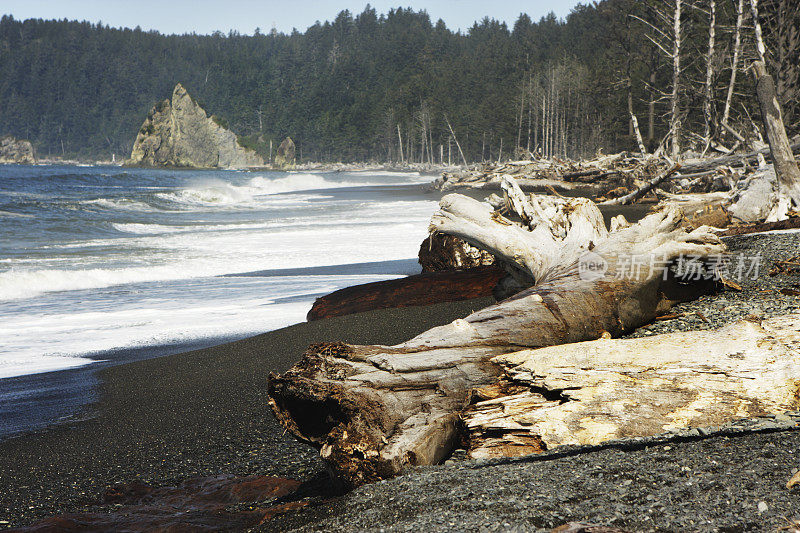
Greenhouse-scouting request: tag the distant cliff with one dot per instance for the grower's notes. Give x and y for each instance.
(179, 133)
(16, 151)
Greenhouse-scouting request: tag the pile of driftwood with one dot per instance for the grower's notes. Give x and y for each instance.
(489, 379)
(737, 188)
(543, 368)
(586, 177)
(744, 188)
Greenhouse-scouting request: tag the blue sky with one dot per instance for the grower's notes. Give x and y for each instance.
(206, 16)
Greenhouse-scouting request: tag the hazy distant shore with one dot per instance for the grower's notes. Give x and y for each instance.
(424, 169)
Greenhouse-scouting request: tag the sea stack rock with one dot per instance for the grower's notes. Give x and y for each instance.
(179, 133)
(16, 151)
(284, 157)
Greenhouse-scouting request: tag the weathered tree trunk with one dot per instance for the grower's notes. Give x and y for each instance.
(592, 392)
(708, 92)
(651, 109)
(735, 62)
(785, 164)
(460, 151)
(732, 160)
(375, 410)
(638, 133)
(675, 111)
(400, 144)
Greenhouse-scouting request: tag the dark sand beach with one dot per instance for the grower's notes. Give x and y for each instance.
(192, 414)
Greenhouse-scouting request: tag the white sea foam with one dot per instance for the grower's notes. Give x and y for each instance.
(22, 364)
(215, 193)
(380, 213)
(191, 254)
(303, 182)
(9, 214)
(54, 337)
(150, 229)
(156, 279)
(119, 203)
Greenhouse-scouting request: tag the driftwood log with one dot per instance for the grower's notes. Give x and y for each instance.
(373, 411)
(592, 392)
(421, 289)
(733, 160)
(790, 223)
(644, 189)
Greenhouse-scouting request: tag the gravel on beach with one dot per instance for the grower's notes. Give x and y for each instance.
(714, 484)
(760, 294)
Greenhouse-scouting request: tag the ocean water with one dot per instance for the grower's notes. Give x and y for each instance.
(98, 259)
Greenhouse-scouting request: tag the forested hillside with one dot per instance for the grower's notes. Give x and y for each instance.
(355, 88)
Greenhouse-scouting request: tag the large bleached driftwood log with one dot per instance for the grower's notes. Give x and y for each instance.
(608, 389)
(373, 411)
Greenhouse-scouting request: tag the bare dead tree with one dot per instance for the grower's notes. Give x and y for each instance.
(665, 34)
(709, 89)
(781, 22)
(737, 44)
(638, 133)
(400, 144)
(453, 133)
(675, 118)
(785, 165)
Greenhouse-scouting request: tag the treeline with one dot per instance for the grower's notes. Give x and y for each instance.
(384, 86)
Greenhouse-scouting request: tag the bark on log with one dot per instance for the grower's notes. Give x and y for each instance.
(592, 392)
(785, 164)
(422, 289)
(791, 223)
(373, 411)
(439, 253)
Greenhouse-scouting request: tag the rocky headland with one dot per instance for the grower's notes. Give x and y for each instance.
(179, 133)
(17, 151)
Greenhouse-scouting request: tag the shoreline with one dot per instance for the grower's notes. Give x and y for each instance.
(41, 399)
(45, 400)
(204, 413)
(423, 169)
(190, 414)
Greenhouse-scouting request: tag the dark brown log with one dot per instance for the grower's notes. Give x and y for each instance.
(785, 165)
(422, 289)
(790, 223)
